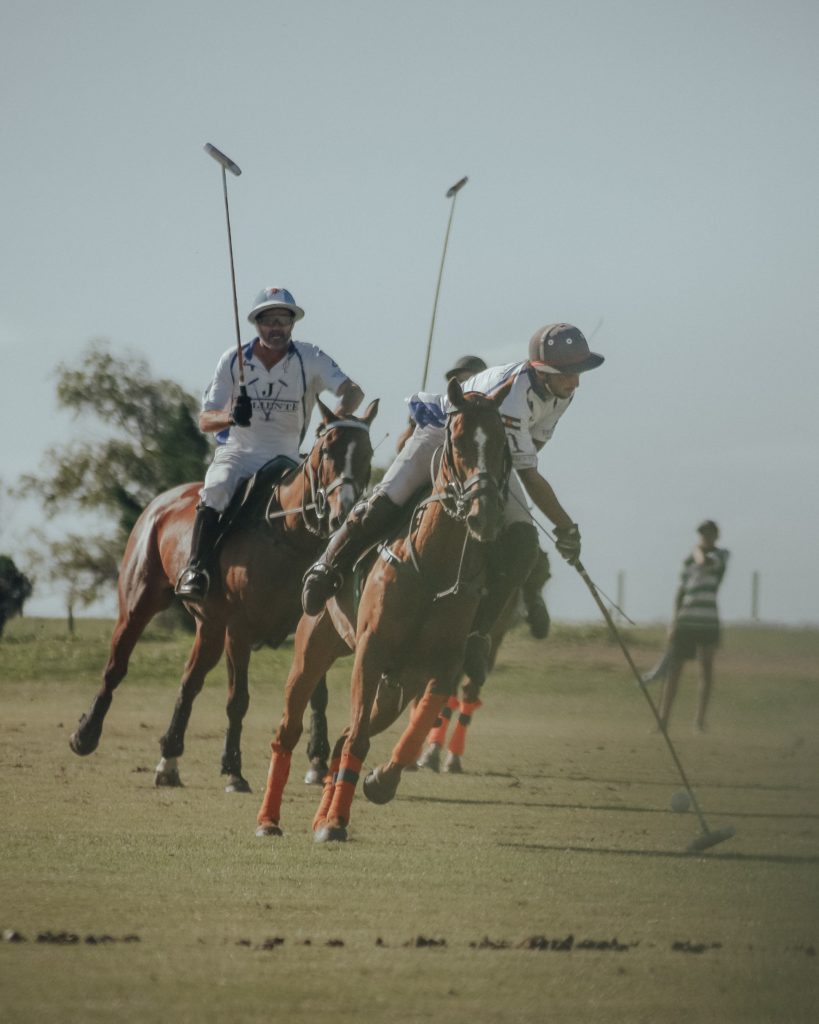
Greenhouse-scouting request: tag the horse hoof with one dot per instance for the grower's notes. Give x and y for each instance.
(330, 834)
(379, 790)
(431, 758)
(82, 741)
(238, 785)
(80, 745)
(168, 778)
(315, 773)
(453, 765)
(263, 831)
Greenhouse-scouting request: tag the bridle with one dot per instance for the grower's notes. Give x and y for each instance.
(317, 495)
(457, 495)
(456, 498)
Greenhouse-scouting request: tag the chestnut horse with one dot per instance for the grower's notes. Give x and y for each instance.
(413, 618)
(255, 596)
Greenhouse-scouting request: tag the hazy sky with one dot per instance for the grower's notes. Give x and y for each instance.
(650, 165)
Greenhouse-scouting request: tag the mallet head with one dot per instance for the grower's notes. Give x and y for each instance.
(710, 838)
(220, 158)
(456, 188)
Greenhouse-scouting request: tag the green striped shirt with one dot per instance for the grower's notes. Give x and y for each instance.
(697, 604)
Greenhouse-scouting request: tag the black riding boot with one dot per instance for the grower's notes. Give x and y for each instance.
(194, 581)
(509, 564)
(366, 524)
(537, 614)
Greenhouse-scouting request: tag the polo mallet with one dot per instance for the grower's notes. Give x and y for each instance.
(708, 837)
(452, 194)
(228, 165)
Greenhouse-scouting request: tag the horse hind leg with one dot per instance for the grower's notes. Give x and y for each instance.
(381, 784)
(237, 653)
(323, 830)
(318, 744)
(132, 620)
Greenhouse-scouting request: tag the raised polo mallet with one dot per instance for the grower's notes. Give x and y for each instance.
(452, 193)
(708, 837)
(228, 165)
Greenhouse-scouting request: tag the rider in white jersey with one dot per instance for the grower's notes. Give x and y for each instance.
(282, 381)
(541, 390)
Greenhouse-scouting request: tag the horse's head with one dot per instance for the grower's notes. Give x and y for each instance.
(339, 464)
(476, 463)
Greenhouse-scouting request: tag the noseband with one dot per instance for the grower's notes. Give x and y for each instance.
(317, 495)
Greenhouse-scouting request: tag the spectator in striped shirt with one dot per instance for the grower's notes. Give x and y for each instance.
(695, 630)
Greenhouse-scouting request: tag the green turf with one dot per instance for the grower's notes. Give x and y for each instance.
(560, 830)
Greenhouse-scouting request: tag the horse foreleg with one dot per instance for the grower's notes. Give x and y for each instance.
(318, 745)
(381, 784)
(237, 655)
(316, 647)
(132, 620)
(205, 653)
(367, 670)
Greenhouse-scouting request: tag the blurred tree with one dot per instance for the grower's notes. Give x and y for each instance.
(156, 444)
(15, 590)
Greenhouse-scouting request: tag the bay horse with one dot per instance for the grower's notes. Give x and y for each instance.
(255, 596)
(409, 633)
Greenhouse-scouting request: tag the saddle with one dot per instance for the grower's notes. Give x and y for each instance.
(252, 495)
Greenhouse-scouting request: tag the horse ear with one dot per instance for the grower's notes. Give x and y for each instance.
(455, 394)
(499, 396)
(327, 415)
(370, 412)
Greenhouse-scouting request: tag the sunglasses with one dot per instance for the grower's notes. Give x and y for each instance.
(276, 319)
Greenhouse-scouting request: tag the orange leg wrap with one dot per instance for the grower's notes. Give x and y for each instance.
(457, 742)
(408, 748)
(437, 733)
(277, 778)
(348, 773)
(327, 794)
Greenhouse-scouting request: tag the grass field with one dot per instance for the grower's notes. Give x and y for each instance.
(549, 883)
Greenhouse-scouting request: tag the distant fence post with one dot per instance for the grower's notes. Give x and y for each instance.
(621, 592)
(755, 596)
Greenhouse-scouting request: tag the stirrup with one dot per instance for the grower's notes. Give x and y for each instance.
(319, 584)
(193, 584)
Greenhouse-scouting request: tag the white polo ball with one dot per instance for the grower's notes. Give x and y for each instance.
(680, 801)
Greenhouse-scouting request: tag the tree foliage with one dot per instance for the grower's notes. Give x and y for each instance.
(15, 590)
(149, 442)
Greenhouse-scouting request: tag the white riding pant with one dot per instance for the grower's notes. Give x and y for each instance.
(411, 469)
(229, 466)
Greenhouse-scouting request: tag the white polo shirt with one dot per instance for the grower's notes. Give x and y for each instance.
(283, 397)
(529, 412)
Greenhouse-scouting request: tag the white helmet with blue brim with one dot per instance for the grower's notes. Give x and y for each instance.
(275, 298)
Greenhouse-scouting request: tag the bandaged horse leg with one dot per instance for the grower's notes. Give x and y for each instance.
(381, 784)
(320, 818)
(267, 820)
(510, 562)
(431, 758)
(457, 742)
(316, 646)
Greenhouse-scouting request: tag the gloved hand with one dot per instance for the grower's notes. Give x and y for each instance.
(567, 542)
(242, 411)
